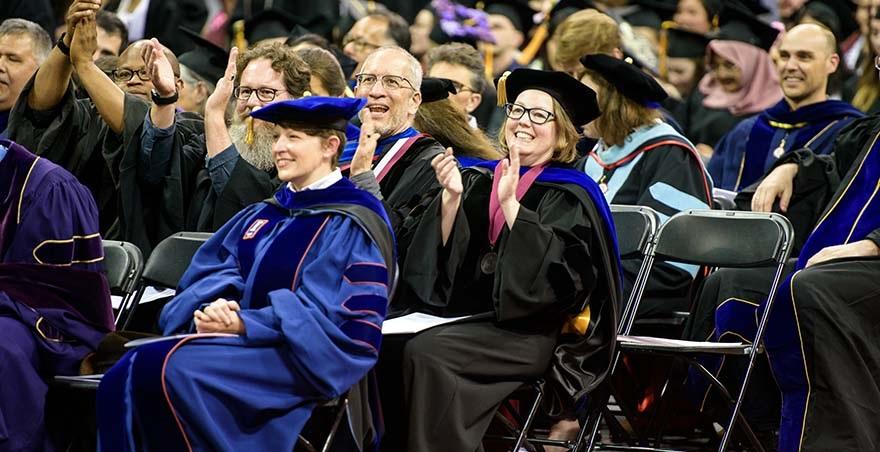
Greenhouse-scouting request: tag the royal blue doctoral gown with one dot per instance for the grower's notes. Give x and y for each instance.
(313, 294)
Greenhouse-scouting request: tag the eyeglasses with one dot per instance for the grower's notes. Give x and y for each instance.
(124, 75)
(360, 45)
(536, 115)
(243, 93)
(459, 87)
(389, 82)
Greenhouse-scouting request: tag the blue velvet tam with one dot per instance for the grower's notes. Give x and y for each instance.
(316, 111)
(631, 81)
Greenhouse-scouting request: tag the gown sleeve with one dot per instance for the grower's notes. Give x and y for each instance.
(544, 264)
(214, 273)
(331, 323)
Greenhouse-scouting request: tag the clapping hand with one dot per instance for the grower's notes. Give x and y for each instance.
(159, 68)
(367, 142)
(220, 316)
(219, 99)
(446, 168)
(507, 186)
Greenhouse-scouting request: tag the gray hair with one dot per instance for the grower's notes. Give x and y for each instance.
(191, 78)
(415, 68)
(42, 43)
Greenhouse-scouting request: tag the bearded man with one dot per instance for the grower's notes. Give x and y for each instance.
(234, 166)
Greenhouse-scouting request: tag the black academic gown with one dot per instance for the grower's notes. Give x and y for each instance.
(834, 318)
(703, 125)
(556, 256)
(210, 210)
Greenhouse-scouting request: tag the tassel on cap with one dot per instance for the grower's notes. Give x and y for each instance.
(528, 54)
(306, 93)
(249, 136)
(489, 60)
(238, 35)
(581, 322)
(502, 88)
(663, 47)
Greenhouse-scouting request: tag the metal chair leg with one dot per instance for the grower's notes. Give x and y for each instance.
(343, 407)
(532, 413)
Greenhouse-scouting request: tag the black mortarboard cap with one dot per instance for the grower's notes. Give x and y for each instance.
(739, 24)
(682, 43)
(267, 24)
(578, 100)
(713, 8)
(518, 11)
(435, 88)
(631, 81)
(649, 13)
(206, 59)
(318, 111)
(837, 15)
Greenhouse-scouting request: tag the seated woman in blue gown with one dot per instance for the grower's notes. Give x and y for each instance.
(287, 298)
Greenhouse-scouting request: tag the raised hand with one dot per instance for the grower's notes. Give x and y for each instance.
(446, 168)
(159, 68)
(362, 161)
(79, 9)
(85, 40)
(778, 184)
(507, 186)
(219, 99)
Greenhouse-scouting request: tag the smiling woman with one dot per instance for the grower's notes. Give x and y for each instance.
(524, 242)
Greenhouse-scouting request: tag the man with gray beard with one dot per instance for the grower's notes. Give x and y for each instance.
(234, 163)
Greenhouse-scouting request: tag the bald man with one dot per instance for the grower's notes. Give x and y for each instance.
(805, 117)
(98, 138)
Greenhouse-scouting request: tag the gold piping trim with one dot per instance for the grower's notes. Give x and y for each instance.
(23, 187)
(736, 299)
(862, 212)
(803, 357)
(786, 126)
(41, 333)
(70, 240)
(742, 164)
(837, 201)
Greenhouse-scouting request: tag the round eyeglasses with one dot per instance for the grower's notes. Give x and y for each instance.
(536, 115)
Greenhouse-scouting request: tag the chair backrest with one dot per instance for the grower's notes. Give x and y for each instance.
(123, 263)
(724, 239)
(172, 257)
(635, 227)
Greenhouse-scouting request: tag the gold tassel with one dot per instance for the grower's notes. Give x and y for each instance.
(579, 323)
(715, 22)
(663, 50)
(306, 93)
(502, 88)
(528, 54)
(238, 35)
(249, 137)
(489, 61)
(348, 92)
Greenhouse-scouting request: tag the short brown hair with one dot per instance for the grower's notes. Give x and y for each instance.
(462, 55)
(323, 64)
(583, 33)
(293, 69)
(620, 114)
(312, 131)
(567, 136)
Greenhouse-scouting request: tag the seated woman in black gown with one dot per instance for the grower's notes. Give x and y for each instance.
(525, 244)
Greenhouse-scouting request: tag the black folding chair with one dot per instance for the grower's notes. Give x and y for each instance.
(123, 263)
(635, 227)
(164, 268)
(715, 239)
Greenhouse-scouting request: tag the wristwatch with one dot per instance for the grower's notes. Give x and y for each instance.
(62, 46)
(159, 100)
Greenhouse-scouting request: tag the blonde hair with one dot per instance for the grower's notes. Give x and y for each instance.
(583, 33)
(448, 124)
(620, 114)
(567, 136)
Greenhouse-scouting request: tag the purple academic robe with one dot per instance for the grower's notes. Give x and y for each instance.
(54, 299)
